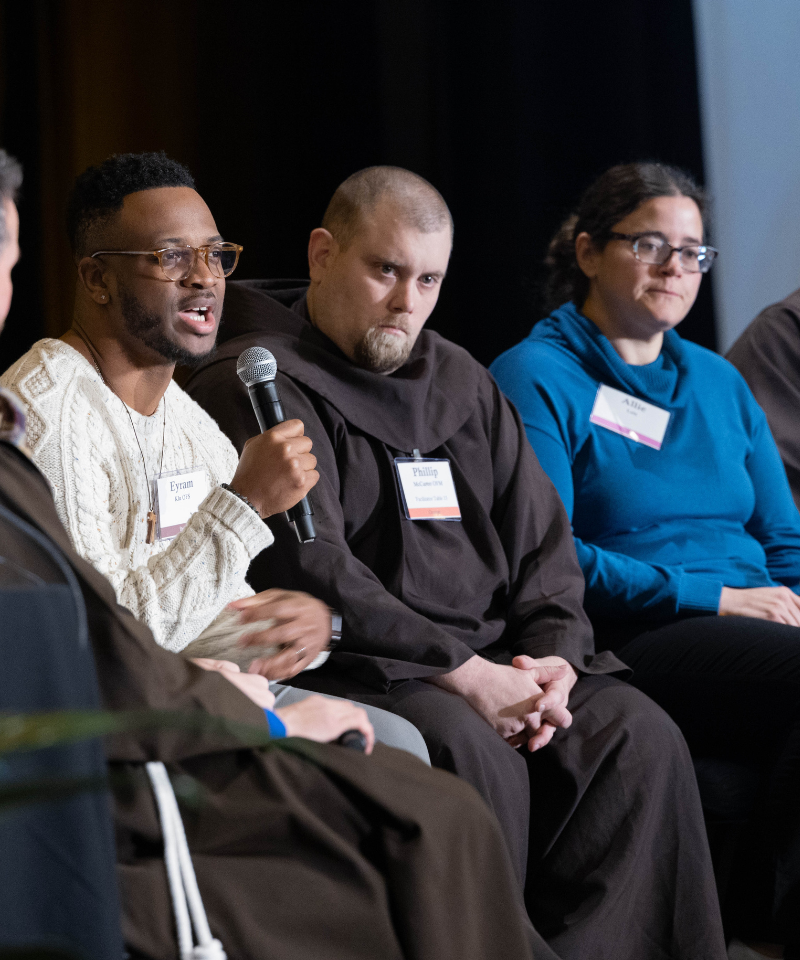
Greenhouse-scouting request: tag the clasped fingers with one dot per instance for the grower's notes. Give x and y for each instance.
(541, 738)
(557, 716)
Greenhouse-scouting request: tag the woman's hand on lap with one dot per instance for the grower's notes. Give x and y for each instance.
(778, 604)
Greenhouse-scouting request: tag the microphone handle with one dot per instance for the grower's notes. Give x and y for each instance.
(353, 740)
(269, 413)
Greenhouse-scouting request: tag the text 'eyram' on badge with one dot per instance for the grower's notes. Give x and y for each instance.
(178, 495)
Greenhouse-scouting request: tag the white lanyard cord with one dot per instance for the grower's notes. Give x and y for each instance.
(186, 899)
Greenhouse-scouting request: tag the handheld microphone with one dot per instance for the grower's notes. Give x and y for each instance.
(256, 368)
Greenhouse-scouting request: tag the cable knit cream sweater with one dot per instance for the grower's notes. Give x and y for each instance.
(81, 439)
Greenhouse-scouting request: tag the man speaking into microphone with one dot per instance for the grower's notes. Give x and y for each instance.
(150, 490)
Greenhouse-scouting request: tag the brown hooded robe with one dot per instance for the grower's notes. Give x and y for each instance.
(616, 855)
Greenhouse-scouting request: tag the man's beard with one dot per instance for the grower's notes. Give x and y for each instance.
(146, 326)
(382, 352)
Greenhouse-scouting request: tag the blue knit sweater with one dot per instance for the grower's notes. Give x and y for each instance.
(658, 532)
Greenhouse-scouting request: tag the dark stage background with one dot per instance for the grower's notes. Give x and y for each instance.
(509, 109)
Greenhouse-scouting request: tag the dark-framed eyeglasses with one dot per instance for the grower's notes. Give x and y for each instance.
(178, 262)
(652, 248)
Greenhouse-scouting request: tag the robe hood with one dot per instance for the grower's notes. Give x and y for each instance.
(659, 382)
(421, 405)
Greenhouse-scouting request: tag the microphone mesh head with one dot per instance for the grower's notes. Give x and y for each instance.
(255, 365)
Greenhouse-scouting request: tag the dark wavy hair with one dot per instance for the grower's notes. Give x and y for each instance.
(615, 194)
(99, 192)
(10, 182)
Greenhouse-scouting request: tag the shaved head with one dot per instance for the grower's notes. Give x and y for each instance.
(417, 203)
(377, 264)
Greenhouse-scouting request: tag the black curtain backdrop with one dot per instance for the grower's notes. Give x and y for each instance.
(20, 136)
(510, 109)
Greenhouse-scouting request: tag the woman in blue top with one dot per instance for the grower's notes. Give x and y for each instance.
(684, 524)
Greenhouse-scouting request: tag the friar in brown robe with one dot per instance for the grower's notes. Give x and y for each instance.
(605, 818)
(767, 355)
(345, 857)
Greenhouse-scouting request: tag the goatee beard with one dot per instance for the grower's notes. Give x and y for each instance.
(382, 352)
(146, 326)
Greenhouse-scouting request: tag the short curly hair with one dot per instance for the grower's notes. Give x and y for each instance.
(99, 191)
(10, 182)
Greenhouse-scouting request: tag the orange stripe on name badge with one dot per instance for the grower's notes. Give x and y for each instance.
(434, 513)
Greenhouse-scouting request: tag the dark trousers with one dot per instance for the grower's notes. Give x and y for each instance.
(732, 684)
(606, 818)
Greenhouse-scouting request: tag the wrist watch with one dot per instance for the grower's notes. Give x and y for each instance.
(336, 629)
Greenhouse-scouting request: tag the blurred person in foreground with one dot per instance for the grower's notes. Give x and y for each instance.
(326, 853)
(683, 521)
(472, 628)
(115, 435)
(57, 883)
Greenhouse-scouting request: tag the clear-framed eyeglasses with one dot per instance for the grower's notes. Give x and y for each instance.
(178, 262)
(653, 248)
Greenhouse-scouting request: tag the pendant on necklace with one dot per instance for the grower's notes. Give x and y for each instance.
(151, 527)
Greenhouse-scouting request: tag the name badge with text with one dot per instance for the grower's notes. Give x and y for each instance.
(178, 495)
(629, 416)
(427, 489)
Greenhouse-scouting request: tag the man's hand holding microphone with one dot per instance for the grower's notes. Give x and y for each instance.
(276, 469)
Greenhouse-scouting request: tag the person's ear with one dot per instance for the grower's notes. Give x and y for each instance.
(321, 247)
(91, 274)
(586, 254)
